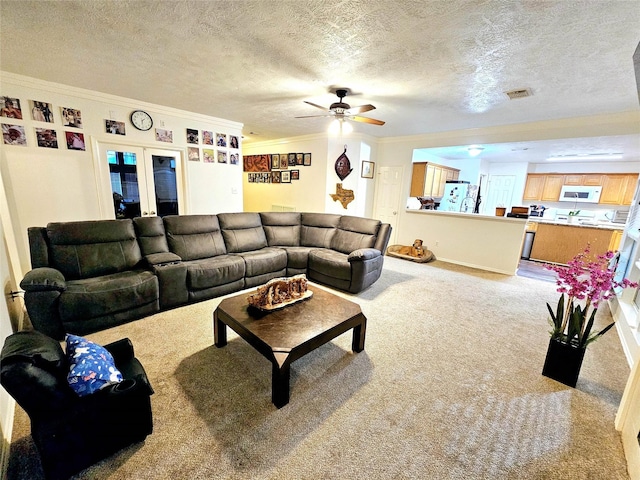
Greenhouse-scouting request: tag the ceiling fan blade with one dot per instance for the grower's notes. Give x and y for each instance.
(312, 116)
(361, 109)
(372, 121)
(317, 106)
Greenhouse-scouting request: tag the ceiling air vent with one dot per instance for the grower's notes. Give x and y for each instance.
(520, 93)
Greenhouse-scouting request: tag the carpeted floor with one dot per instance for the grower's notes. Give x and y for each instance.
(448, 387)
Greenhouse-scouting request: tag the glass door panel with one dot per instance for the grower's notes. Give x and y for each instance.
(166, 189)
(123, 174)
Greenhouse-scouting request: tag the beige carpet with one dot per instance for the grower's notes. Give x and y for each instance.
(448, 387)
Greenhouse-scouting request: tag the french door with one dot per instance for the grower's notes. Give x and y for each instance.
(139, 181)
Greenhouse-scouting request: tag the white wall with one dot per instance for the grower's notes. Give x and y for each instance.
(45, 185)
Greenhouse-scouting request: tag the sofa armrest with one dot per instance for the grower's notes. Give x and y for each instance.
(43, 279)
(163, 258)
(363, 254)
(121, 350)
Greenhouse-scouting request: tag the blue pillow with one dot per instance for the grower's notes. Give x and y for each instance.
(92, 366)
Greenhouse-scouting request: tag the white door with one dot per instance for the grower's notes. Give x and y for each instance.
(137, 181)
(499, 193)
(388, 197)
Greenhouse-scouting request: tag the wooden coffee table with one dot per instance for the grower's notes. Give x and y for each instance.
(285, 335)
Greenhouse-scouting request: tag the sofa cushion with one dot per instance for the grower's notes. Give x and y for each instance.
(354, 233)
(151, 235)
(318, 229)
(94, 297)
(265, 260)
(92, 248)
(297, 257)
(281, 228)
(330, 263)
(211, 272)
(192, 237)
(242, 231)
(91, 366)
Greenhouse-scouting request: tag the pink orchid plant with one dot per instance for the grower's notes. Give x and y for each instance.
(588, 281)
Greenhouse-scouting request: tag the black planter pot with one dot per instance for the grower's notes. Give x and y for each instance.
(563, 362)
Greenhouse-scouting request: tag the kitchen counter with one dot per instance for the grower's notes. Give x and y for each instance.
(605, 225)
(560, 242)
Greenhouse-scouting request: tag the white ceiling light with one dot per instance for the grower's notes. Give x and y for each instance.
(585, 157)
(339, 126)
(475, 150)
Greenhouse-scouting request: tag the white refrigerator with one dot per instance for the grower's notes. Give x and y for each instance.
(459, 197)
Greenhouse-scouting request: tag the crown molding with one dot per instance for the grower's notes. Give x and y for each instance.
(8, 78)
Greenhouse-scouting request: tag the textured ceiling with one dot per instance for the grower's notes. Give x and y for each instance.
(427, 66)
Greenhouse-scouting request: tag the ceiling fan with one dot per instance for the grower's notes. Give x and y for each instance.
(342, 110)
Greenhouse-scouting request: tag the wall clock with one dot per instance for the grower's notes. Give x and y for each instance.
(141, 120)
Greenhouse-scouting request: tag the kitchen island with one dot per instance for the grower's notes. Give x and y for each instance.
(486, 242)
(559, 242)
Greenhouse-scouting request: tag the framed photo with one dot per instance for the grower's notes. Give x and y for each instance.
(75, 141)
(72, 118)
(207, 137)
(208, 155)
(46, 138)
(192, 136)
(256, 163)
(163, 135)
(41, 111)
(275, 161)
(234, 158)
(276, 176)
(233, 142)
(114, 127)
(292, 159)
(299, 158)
(222, 157)
(295, 174)
(307, 160)
(367, 169)
(11, 108)
(221, 139)
(285, 176)
(13, 134)
(193, 153)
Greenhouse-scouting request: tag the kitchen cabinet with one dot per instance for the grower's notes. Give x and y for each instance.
(428, 179)
(560, 243)
(579, 179)
(533, 187)
(618, 189)
(543, 187)
(552, 187)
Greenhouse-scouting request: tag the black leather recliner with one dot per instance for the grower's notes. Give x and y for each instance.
(72, 432)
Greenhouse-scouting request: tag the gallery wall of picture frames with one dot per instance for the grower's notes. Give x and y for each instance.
(275, 167)
(217, 147)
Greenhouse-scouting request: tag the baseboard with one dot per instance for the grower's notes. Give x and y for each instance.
(6, 437)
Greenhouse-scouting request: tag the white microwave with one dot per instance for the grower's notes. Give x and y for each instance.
(580, 194)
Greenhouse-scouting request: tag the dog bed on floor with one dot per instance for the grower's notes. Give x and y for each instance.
(392, 251)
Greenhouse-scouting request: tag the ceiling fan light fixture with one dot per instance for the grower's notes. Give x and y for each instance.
(339, 126)
(475, 150)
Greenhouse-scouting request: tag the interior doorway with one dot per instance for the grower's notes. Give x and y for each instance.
(140, 181)
(499, 192)
(388, 197)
